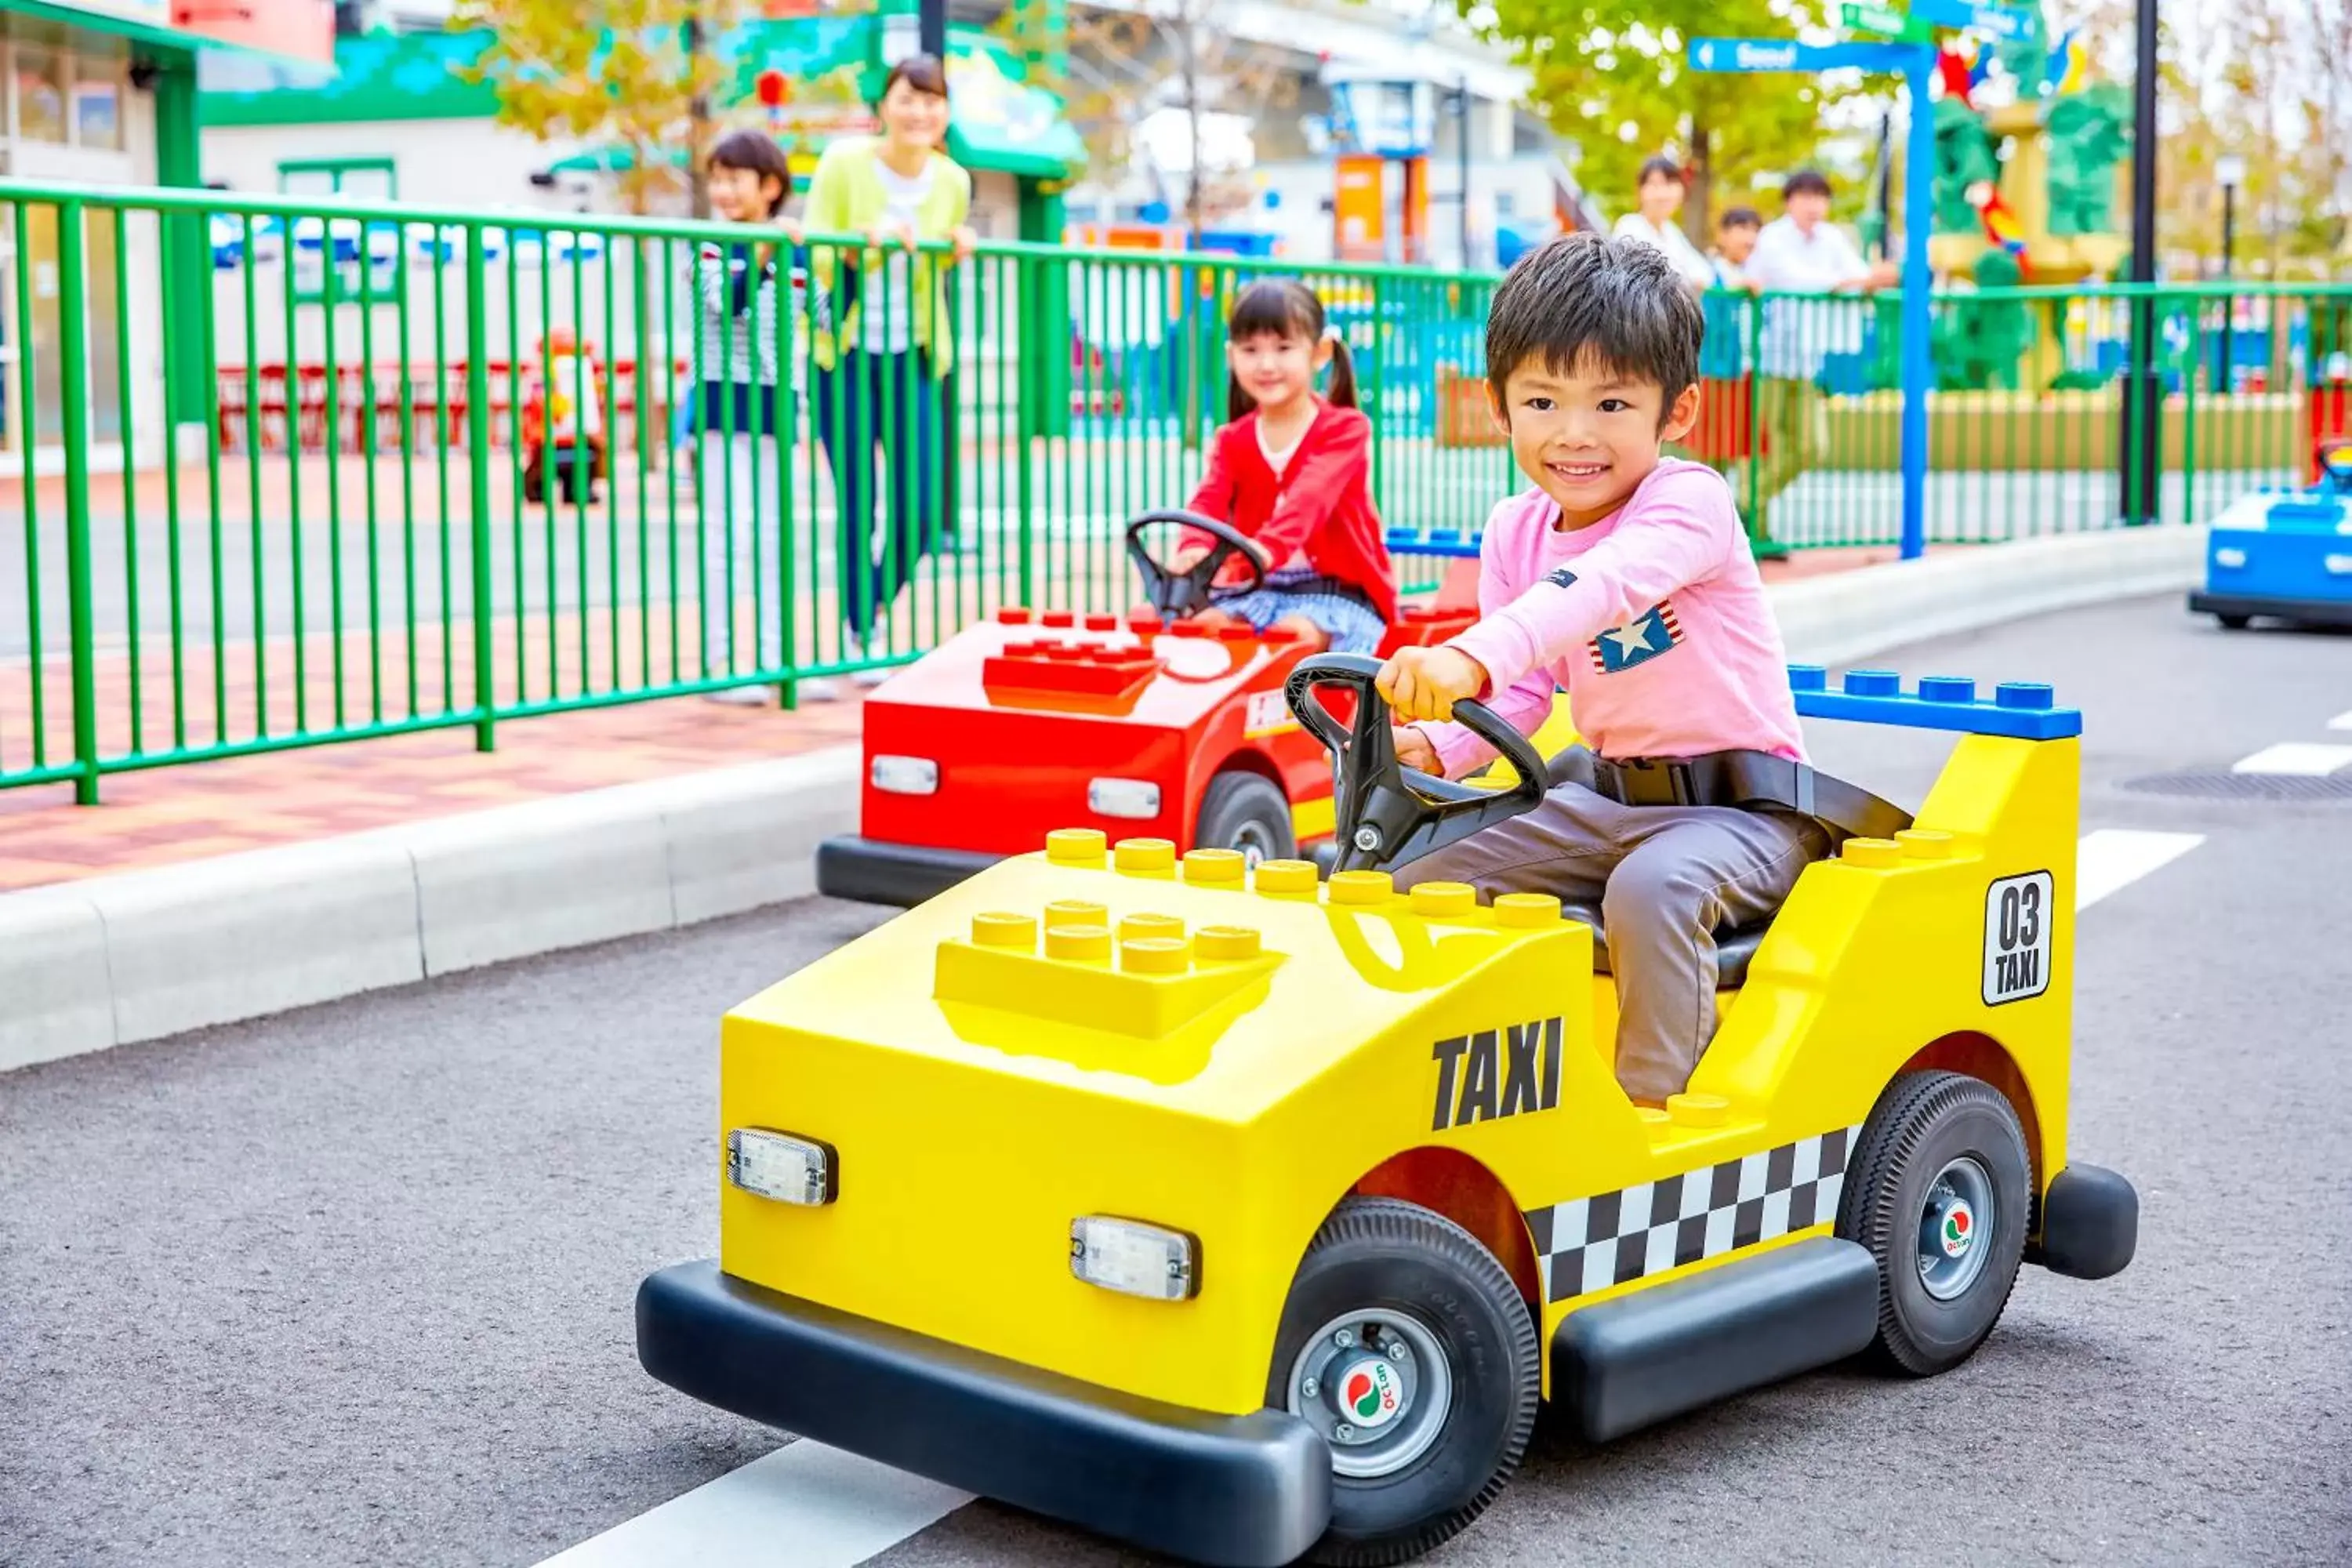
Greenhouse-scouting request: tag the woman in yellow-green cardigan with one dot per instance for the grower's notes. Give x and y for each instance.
(889, 344)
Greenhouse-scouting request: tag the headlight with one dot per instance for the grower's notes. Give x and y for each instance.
(905, 776)
(2229, 556)
(1123, 797)
(780, 1166)
(1134, 1258)
(2337, 565)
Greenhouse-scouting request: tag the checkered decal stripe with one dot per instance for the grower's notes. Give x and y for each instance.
(1590, 1244)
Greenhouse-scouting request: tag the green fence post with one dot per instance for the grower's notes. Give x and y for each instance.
(478, 473)
(73, 366)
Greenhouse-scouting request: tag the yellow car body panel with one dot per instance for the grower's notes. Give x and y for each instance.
(984, 1083)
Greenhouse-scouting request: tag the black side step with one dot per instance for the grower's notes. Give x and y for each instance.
(1639, 1359)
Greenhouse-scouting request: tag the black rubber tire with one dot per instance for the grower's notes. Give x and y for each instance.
(2235, 623)
(1381, 1252)
(1239, 803)
(1923, 1122)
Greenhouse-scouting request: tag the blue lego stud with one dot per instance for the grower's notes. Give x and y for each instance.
(2031, 696)
(1444, 535)
(1808, 678)
(1947, 689)
(1873, 683)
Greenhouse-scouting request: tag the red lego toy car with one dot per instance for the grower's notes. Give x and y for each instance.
(1150, 723)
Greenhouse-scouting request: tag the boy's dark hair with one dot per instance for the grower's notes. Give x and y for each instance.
(922, 72)
(1618, 301)
(1658, 168)
(1287, 309)
(1806, 182)
(1739, 217)
(756, 152)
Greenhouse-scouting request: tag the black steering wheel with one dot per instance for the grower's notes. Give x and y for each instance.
(2335, 462)
(1174, 594)
(1388, 815)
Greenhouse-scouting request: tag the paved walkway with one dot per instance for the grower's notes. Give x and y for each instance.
(168, 815)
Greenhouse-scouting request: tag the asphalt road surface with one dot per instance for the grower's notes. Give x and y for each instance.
(353, 1285)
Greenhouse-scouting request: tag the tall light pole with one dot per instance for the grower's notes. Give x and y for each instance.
(2230, 169)
(2143, 393)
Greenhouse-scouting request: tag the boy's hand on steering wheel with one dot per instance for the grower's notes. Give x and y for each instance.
(1426, 682)
(1414, 751)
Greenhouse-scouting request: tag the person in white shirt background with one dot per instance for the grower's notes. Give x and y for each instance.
(1735, 242)
(1660, 191)
(1802, 252)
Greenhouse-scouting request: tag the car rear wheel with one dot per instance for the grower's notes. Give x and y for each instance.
(1939, 1192)
(2235, 623)
(1408, 1348)
(1247, 812)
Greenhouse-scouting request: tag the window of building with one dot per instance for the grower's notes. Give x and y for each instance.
(96, 107)
(40, 92)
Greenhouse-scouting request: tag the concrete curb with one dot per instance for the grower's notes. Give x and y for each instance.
(144, 954)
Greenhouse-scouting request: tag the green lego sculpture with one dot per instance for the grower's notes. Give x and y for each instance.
(2089, 135)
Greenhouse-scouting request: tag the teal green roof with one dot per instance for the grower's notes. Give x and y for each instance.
(1000, 121)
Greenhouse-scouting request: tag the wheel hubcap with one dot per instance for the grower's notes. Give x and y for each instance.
(1376, 1385)
(1255, 842)
(1956, 1227)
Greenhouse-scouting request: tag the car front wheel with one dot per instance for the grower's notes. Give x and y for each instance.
(1406, 1346)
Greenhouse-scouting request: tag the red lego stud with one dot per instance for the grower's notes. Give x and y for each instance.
(1060, 619)
(1098, 622)
(1236, 632)
(1013, 615)
(1143, 623)
(1188, 629)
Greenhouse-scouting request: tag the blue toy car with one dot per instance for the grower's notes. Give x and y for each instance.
(2284, 556)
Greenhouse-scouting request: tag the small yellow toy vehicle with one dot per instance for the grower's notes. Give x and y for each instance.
(1246, 1217)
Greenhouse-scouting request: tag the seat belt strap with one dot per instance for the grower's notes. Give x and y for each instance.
(1746, 779)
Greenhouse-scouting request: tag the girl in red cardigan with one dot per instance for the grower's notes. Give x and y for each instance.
(1292, 471)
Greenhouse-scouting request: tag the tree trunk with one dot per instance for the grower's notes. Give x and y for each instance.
(697, 180)
(1190, 67)
(1698, 203)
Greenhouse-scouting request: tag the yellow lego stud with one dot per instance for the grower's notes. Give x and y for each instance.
(1075, 912)
(1875, 853)
(1077, 941)
(1525, 910)
(1076, 845)
(1286, 879)
(1226, 944)
(1215, 868)
(1361, 887)
(1134, 927)
(1651, 1117)
(997, 928)
(1151, 857)
(1698, 1110)
(1152, 956)
(1925, 843)
(1444, 900)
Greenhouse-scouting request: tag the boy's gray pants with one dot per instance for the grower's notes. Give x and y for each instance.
(1667, 877)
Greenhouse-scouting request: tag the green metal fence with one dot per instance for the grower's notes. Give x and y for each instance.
(280, 472)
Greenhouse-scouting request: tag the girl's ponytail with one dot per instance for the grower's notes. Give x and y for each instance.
(1342, 393)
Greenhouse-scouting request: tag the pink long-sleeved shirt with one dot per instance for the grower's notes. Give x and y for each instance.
(1653, 620)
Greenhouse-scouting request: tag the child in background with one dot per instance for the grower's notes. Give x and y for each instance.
(746, 406)
(1624, 578)
(1292, 470)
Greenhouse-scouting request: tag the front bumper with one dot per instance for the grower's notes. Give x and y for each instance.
(2303, 612)
(877, 871)
(1242, 1490)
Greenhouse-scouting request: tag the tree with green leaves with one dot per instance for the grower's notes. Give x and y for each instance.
(638, 75)
(1613, 78)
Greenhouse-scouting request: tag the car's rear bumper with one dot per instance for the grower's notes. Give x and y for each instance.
(2308, 611)
(1229, 1489)
(879, 872)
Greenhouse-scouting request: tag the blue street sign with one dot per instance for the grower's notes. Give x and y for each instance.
(2000, 21)
(1778, 55)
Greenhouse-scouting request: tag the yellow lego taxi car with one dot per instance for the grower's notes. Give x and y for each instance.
(1246, 1217)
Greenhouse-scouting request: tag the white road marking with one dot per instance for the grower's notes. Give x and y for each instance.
(804, 1506)
(2341, 721)
(2112, 859)
(808, 1506)
(2309, 759)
